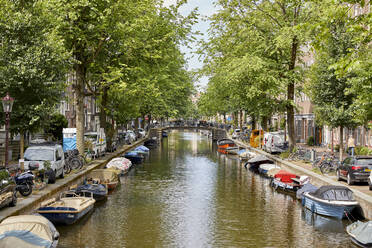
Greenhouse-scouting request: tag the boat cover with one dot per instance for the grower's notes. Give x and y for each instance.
(142, 148)
(361, 231)
(272, 172)
(26, 231)
(334, 193)
(104, 175)
(260, 159)
(308, 187)
(285, 176)
(242, 151)
(119, 163)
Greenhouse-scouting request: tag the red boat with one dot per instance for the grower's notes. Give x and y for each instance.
(222, 144)
(286, 181)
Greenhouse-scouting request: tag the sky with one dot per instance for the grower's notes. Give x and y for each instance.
(205, 8)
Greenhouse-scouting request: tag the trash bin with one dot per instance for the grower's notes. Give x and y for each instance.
(313, 155)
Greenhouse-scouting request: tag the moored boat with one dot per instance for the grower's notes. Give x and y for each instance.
(222, 144)
(99, 191)
(271, 173)
(360, 233)
(107, 177)
(134, 157)
(255, 162)
(246, 155)
(28, 231)
(151, 143)
(142, 150)
(68, 209)
(264, 168)
(232, 150)
(286, 181)
(308, 187)
(330, 200)
(121, 164)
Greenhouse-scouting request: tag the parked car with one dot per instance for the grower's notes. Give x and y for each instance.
(370, 181)
(35, 157)
(236, 134)
(355, 169)
(274, 142)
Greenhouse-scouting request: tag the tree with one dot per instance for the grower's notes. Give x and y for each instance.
(32, 64)
(55, 126)
(329, 92)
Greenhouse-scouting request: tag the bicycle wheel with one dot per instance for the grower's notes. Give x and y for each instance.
(325, 168)
(67, 167)
(75, 163)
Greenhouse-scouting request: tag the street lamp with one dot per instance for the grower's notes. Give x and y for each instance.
(7, 107)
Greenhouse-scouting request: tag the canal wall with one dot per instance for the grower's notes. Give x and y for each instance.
(32, 202)
(364, 200)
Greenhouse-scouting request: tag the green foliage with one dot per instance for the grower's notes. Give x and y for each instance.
(284, 155)
(362, 150)
(310, 141)
(32, 63)
(55, 125)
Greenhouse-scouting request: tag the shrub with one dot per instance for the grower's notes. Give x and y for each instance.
(362, 151)
(337, 148)
(284, 155)
(310, 141)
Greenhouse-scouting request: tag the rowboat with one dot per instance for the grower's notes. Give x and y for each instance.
(107, 177)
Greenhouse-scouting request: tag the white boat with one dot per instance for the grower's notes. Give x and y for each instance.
(360, 233)
(246, 155)
(264, 168)
(28, 231)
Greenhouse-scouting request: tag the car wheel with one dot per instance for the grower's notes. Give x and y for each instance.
(338, 175)
(62, 174)
(51, 176)
(349, 181)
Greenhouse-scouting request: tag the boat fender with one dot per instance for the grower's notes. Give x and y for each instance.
(303, 201)
(313, 208)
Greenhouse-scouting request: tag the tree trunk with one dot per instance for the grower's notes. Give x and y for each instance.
(332, 144)
(241, 119)
(224, 118)
(21, 149)
(341, 142)
(109, 132)
(253, 122)
(290, 96)
(79, 104)
(264, 123)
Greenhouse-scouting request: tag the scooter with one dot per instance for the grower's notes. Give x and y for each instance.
(24, 181)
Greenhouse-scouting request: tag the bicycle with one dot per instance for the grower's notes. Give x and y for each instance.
(73, 161)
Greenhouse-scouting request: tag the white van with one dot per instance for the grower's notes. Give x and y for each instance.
(98, 141)
(274, 142)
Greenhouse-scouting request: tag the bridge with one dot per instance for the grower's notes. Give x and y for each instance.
(217, 133)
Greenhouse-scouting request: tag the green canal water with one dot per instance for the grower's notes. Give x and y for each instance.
(187, 195)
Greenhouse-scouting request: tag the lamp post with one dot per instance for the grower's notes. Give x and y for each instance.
(7, 107)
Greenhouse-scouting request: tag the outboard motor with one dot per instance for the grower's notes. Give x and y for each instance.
(24, 182)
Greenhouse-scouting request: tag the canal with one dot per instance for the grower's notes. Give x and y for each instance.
(187, 195)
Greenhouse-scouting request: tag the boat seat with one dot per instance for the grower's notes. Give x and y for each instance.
(48, 202)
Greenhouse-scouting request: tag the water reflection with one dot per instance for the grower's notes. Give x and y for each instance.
(188, 195)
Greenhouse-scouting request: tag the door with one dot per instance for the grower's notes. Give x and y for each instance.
(344, 167)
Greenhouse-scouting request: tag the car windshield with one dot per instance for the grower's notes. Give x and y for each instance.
(91, 137)
(364, 161)
(39, 155)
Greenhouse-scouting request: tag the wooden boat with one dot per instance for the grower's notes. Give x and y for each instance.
(285, 181)
(119, 164)
(330, 200)
(107, 177)
(360, 233)
(99, 191)
(68, 209)
(28, 231)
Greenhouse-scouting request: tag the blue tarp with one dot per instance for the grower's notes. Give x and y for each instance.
(142, 148)
(241, 151)
(27, 237)
(69, 144)
(132, 153)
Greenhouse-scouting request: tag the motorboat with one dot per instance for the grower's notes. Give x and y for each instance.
(255, 162)
(360, 233)
(330, 200)
(107, 177)
(121, 164)
(272, 172)
(264, 168)
(134, 157)
(322, 223)
(286, 181)
(28, 231)
(164, 134)
(308, 187)
(68, 209)
(99, 191)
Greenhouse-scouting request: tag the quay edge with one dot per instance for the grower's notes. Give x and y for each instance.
(32, 202)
